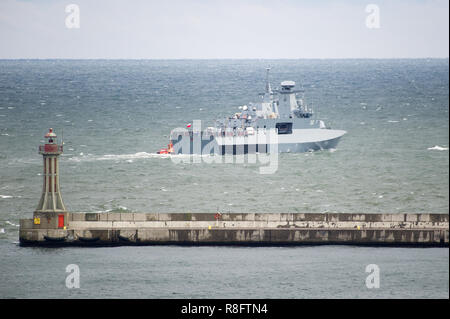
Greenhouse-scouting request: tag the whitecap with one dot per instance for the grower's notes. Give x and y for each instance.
(5, 196)
(12, 224)
(2, 231)
(391, 121)
(126, 156)
(140, 155)
(437, 148)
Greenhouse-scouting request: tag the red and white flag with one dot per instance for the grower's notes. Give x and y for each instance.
(189, 125)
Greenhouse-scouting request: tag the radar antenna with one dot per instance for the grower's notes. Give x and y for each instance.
(268, 88)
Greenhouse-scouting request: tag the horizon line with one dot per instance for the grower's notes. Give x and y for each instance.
(174, 59)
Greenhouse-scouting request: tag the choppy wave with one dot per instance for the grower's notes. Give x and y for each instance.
(130, 157)
(117, 209)
(9, 196)
(438, 148)
(12, 224)
(140, 155)
(2, 231)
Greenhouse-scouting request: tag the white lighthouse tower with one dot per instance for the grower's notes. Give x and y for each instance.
(51, 200)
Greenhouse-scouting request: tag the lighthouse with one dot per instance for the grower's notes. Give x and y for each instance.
(51, 203)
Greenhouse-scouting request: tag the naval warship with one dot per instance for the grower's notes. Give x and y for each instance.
(280, 122)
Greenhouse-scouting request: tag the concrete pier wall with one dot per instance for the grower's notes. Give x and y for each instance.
(243, 229)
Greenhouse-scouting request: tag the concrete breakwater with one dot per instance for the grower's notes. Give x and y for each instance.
(97, 229)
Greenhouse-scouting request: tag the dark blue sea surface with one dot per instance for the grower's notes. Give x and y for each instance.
(116, 114)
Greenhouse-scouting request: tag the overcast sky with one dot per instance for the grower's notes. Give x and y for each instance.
(185, 29)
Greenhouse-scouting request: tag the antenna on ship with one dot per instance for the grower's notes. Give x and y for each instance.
(268, 89)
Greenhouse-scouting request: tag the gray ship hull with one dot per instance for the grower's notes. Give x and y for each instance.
(207, 145)
(308, 147)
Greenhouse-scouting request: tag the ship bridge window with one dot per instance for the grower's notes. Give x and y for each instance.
(284, 128)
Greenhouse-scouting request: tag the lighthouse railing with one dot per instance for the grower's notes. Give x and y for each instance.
(51, 148)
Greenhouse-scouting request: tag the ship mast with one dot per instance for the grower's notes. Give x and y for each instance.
(268, 106)
(268, 88)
